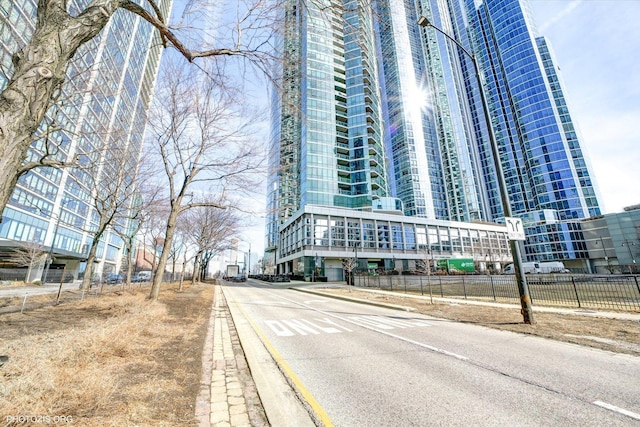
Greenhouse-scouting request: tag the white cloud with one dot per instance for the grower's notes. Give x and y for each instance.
(566, 10)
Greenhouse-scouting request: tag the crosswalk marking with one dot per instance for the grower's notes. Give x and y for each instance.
(292, 327)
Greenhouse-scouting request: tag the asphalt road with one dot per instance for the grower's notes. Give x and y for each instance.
(360, 365)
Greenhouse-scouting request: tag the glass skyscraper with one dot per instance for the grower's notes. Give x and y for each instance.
(547, 176)
(373, 107)
(100, 114)
(326, 143)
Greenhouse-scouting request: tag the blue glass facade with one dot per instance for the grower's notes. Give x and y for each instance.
(106, 95)
(540, 153)
(417, 92)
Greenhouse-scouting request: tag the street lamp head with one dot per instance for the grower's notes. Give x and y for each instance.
(423, 21)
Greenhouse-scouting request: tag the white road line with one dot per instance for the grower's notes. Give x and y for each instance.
(423, 345)
(345, 319)
(613, 408)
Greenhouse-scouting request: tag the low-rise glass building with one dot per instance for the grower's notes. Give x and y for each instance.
(318, 238)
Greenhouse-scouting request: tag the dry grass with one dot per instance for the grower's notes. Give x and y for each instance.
(114, 360)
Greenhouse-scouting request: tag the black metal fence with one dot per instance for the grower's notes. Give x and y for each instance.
(610, 292)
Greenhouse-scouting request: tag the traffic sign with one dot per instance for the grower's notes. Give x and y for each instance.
(515, 228)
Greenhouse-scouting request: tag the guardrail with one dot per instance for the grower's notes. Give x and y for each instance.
(611, 292)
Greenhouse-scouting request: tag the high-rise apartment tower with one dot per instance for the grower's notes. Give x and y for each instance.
(376, 113)
(101, 111)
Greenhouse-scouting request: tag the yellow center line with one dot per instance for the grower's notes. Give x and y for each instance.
(318, 411)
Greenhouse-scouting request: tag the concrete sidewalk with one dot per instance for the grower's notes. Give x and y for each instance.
(242, 385)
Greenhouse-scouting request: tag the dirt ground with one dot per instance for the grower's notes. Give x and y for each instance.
(621, 336)
(115, 360)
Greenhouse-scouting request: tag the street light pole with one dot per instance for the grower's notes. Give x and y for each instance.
(633, 260)
(523, 289)
(355, 269)
(604, 249)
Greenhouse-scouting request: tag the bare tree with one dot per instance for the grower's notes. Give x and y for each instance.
(423, 265)
(180, 248)
(136, 216)
(28, 254)
(211, 232)
(112, 191)
(40, 67)
(153, 230)
(348, 265)
(202, 136)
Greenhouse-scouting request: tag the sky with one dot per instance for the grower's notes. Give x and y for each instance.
(596, 45)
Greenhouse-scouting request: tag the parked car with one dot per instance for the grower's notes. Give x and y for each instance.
(113, 278)
(145, 275)
(137, 278)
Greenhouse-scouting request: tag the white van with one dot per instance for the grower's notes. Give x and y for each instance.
(553, 267)
(528, 267)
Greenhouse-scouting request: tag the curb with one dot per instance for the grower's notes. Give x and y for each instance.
(358, 300)
(635, 317)
(280, 401)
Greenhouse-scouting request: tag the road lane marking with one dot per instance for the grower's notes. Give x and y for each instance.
(291, 327)
(267, 302)
(318, 410)
(278, 328)
(383, 322)
(617, 409)
(417, 343)
(331, 322)
(300, 327)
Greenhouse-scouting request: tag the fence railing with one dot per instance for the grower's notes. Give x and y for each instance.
(611, 292)
(52, 295)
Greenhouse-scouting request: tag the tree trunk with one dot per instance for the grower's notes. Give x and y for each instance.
(195, 274)
(164, 256)
(86, 280)
(39, 70)
(129, 248)
(184, 264)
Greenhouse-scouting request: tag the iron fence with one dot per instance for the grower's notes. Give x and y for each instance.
(610, 292)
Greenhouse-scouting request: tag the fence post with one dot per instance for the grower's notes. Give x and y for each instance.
(493, 289)
(576, 291)
(60, 288)
(421, 288)
(441, 291)
(430, 293)
(24, 301)
(635, 277)
(464, 288)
